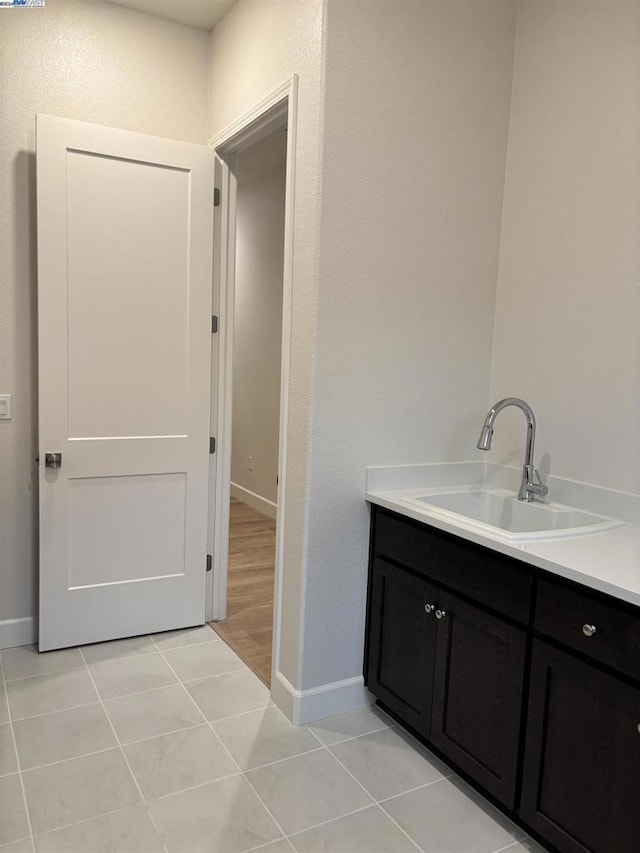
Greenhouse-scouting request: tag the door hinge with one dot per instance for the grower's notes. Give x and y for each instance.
(216, 197)
(209, 562)
(214, 324)
(212, 445)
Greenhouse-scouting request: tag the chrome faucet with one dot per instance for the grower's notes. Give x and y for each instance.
(531, 484)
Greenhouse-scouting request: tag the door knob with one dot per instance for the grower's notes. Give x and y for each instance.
(440, 614)
(589, 630)
(53, 460)
(428, 608)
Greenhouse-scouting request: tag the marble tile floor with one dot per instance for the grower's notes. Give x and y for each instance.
(171, 744)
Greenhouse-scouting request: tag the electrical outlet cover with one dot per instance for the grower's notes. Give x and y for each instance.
(5, 407)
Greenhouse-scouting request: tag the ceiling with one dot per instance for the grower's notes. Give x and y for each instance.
(203, 14)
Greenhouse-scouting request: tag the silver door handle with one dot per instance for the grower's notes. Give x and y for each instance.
(589, 630)
(440, 614)
(428, 608)
(53, 460)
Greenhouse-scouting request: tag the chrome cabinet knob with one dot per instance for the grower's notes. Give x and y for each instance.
(588, 630)
(440, 614)
(428, 608)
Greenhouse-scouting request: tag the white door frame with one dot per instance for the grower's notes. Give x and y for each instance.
(274, 111)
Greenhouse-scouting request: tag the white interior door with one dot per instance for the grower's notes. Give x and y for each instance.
(124, 333)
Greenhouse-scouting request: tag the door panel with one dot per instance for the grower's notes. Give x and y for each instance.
(581, 783)
(402, 643)
(148, 513)
(128, 309)
(478, 686)
(124, 292)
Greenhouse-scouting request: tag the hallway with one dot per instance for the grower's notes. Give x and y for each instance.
(169, 743)
(248, 628)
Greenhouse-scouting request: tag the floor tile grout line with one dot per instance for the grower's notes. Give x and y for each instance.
(201, 723)
(326, 748)
(197, 787)
(243, 713)
(331, 820)
(11, 772)
(238, 772)
(140, 692)
(513, 844)
(17, 756)
(156, 650)
(161, 734)
(85, 820)
(393, 820)
(70, 758)
(386, 814)
(228, 672)
(124, 755)
(19, 841)
(284, 838)
(219, 739)
(44, 674)
(351, 737)
(106, 749)
(211, 723)
(346, 769)
(111, 698)
(56, 711)
(87, 664)
(279, 760)
(216, 638)
(384, 800)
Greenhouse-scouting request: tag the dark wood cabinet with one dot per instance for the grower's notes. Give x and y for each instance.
(450, 670)
(478, 686)
(527, 683)
(581, 783)
(402, 637)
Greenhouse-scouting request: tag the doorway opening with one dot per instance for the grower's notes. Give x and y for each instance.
(260, 172)
(255, 168)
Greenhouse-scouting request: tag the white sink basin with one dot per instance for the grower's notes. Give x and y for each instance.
(500, 512)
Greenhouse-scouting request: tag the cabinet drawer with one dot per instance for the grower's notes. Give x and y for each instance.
(562, 612)
(484, 575)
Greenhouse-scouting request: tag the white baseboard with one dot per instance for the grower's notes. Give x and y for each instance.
(316, 703)
(263, 505)
(17, 632)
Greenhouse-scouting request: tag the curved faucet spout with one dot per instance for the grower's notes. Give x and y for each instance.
(529, 488)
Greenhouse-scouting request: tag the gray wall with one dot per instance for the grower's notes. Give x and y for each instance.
(416, 116)
(257, 331)
(254, 50)
(397, 223)
(567, 334)
(92, 62)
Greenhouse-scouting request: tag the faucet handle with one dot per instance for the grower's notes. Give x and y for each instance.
(538, 488)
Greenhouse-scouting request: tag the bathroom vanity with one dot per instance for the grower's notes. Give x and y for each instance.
(524, 680)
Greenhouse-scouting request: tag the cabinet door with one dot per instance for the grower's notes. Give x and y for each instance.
(402, 637)
(477, 703)
(581, 787)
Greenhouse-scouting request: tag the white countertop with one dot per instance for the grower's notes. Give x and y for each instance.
(608, 561)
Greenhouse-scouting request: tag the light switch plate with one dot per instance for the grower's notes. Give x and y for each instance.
(5, 407)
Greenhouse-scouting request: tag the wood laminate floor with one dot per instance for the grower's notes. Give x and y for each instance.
(249, 624)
